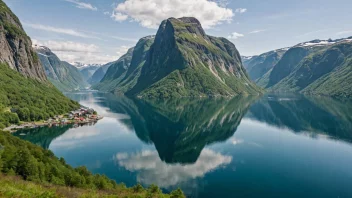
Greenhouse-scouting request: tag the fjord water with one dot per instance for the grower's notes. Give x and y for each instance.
(273, 146)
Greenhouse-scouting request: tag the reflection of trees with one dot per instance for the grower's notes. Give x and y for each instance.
(42, 136)
(319, 115)
(181, 128)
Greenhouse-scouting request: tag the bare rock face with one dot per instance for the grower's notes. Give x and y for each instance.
(16, 47)
(182, 61)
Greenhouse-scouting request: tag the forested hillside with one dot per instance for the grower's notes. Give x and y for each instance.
(316, 67)
(32, 163)
(28, 99)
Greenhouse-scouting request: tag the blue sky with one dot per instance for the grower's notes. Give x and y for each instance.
(99, 31)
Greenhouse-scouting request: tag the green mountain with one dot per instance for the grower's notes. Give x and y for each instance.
(317, 115)
(183, 61)
(257, 66)
(116, 73)
(63, 75)
(317, 67)
(180, 128)
(25, 92)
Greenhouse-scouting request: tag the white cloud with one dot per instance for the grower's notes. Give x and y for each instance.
(222, 3)
(241, 10)
(106, 13)
(256, 31)
(70, 32)
(67, 46)
(122, 50)
(235, 36)
(150, 13)
(86, 58)
(344, 32)
(82, 5)
(119, 17)
(151, 170)
(70, 51)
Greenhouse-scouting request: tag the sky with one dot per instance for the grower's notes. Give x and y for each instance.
(100, 31)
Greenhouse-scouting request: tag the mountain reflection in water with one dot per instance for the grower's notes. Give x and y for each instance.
(194, 143)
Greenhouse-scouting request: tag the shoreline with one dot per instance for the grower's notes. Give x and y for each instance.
(15, 128)
(83, 115)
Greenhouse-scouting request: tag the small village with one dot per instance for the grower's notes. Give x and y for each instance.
(83, 115)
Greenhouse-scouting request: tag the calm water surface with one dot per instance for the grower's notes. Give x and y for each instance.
(274, 146)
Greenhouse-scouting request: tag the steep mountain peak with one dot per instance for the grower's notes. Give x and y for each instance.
(64, 76)
(16, 47)
(187, 25)
(43, 50)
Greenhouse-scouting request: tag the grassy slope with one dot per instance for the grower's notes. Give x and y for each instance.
(116, 73)
(31, 99)
(178, 63)
(324, 72)
(182, 72)
(48, 176)
(336, 83)
(12, 186)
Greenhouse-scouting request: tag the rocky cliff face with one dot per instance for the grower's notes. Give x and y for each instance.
(16, 47)
(125, 72)
(183, 61)
(257, 66)
(63, 75)
(116, 73)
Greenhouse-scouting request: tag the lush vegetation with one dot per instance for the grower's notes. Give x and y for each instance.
(12, 30)
(319, 70)
(33, 163)
(27, 99)
(181, 61)
(188, 124)
(116, 73)
(306, 114)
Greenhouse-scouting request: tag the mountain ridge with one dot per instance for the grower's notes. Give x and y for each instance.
(182, 61)
(63, 75)
(317, 67)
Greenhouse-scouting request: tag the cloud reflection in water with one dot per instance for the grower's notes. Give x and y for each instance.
(151, 170)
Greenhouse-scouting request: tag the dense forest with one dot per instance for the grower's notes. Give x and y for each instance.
(26, 99)
(33, 163)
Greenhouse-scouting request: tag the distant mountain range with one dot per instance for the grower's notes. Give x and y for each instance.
(319, 67)
(63, 75)
(81, 66)
(99, 74)
(180, 61)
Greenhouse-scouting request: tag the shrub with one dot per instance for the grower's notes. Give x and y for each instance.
(138, 188)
